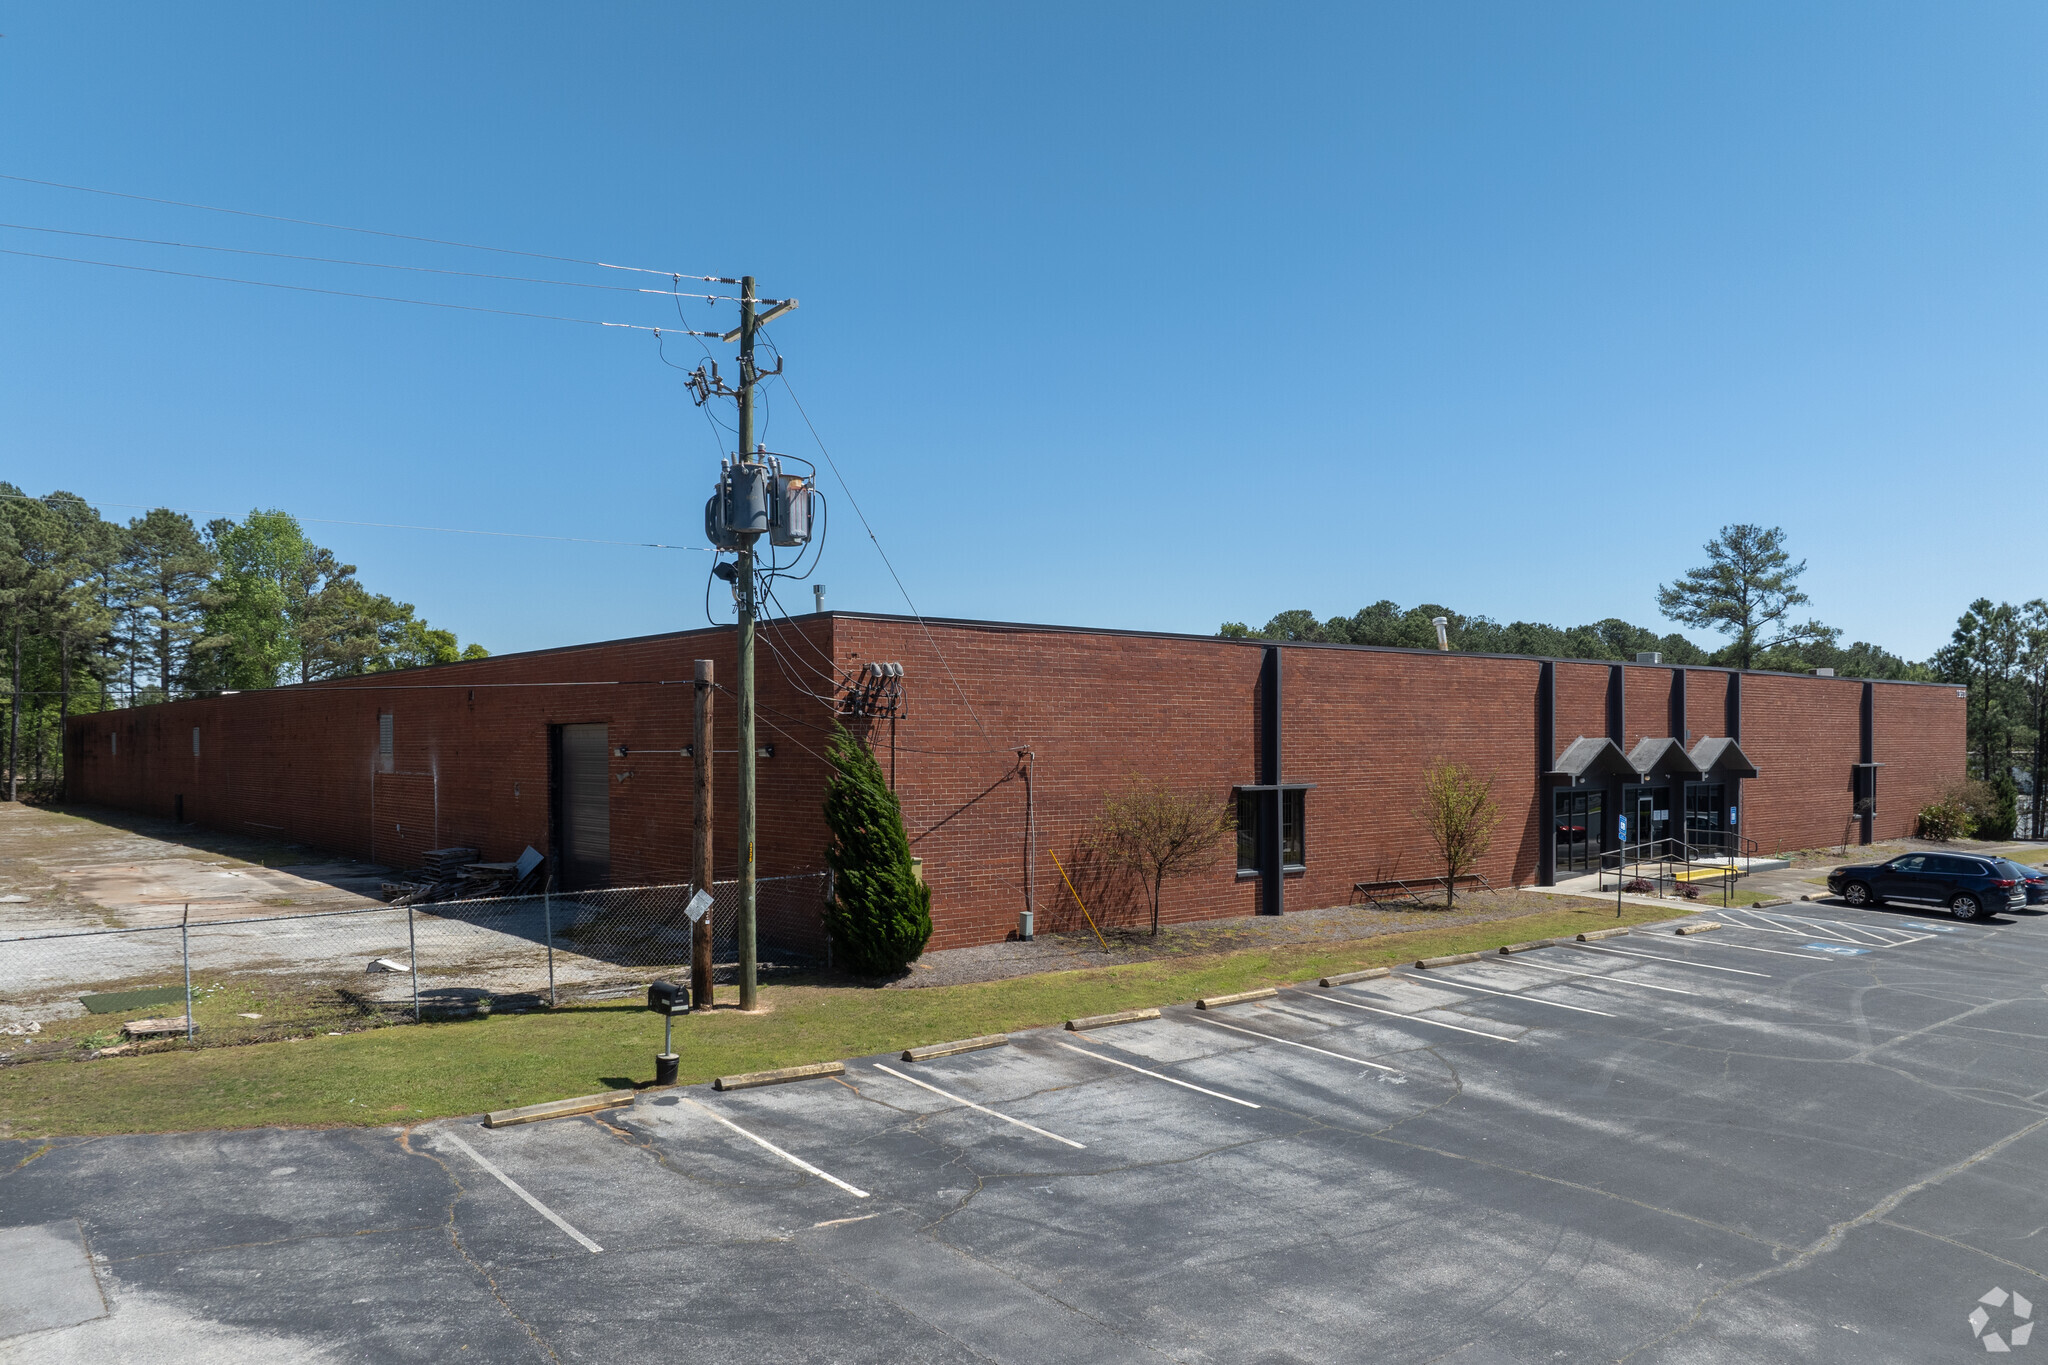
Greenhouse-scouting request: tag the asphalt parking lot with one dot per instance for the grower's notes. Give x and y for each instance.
(1814, 1134)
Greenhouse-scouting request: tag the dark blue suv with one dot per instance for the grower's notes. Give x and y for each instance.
(1971, 887)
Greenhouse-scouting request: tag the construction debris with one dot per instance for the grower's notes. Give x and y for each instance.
(453, 874)
(149, 1028)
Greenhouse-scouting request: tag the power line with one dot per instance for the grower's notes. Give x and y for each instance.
(943, 662)
(377, 525)
(373, 232)
(339, 293)
(367, 265)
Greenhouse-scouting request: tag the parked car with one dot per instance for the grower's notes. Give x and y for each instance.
(2033, 878)
(1972, 887)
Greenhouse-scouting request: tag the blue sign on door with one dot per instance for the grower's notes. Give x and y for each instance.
(1623, 821)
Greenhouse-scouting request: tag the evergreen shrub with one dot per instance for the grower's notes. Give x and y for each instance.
(880, 915)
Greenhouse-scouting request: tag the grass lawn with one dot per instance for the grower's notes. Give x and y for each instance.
(433, 1070)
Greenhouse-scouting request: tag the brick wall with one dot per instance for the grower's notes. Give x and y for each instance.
(470, 762)
(1804, 735)
(1919, 737)
(1581, 703)
(1095, 710)
(1706, 705)
(1648, 693)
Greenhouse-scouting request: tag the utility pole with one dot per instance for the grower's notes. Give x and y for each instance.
(743, 581)
(754, 478)
(701, 872)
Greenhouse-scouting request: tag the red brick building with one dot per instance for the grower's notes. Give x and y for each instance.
(1006, 739)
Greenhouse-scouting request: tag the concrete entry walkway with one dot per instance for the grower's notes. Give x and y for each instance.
(1815, 1142)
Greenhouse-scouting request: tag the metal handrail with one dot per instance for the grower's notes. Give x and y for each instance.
(1664, 853)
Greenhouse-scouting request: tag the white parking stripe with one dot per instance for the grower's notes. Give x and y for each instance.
(1877, 932)
(509, 1183)
(1774, 928)
(795, 1161)
(1416, 1018)
(1512, 995)
(1157, 1077)
(1289, 1042)
(1079, 1146)
(1751, 948)
(1658, 957)
(1602, 976)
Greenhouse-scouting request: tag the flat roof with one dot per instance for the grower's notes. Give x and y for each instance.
(1020, 627)
(372, 681)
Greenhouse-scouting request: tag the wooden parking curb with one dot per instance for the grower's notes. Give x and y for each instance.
(931, 1050)
(1104, 1020)
(1507, 948)
(558, 1109)
(1699, 928)
(1210, 1002)
(749, 1080)
(1592, 934)
(1346, 978)
(1448, 960)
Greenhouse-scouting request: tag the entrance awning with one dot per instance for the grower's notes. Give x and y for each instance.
(1663, 755)
(1724, 754)
(1589, 758)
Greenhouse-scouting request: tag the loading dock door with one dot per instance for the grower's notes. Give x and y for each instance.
(583, 782)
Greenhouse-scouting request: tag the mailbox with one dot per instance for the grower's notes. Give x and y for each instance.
(668, 997)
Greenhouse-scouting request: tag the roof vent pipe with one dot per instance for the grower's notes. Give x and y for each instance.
(1443, 638)
(818, 596)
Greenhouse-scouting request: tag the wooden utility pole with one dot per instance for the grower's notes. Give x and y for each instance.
(744, 582)
(700, 829)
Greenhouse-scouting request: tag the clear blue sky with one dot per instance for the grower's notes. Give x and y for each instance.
(1141, 316)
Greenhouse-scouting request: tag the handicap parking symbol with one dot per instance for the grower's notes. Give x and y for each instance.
(1932, 928)
(1838, 949)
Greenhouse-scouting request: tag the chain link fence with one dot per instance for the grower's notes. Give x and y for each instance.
(217, 982)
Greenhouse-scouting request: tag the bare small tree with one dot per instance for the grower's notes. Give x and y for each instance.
(1459, 809)
(1161, 834)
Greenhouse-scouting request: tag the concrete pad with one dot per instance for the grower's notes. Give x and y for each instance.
(48, 1281)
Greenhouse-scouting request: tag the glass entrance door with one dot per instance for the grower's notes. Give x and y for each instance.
(1649, 819)
(1705, 806)
(1580, 830)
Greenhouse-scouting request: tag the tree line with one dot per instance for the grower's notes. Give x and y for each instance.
(95, 614)
(1748, 591)
(2000, 652)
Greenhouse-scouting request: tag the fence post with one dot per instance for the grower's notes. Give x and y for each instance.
(547, 910)
(412, 953)
(185, 942)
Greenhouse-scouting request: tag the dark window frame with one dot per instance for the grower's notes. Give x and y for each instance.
(1293, 821)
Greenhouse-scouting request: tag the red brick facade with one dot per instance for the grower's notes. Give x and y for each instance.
(470, 762)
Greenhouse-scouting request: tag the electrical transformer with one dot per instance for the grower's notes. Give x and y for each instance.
(756, 497)
(790, 520)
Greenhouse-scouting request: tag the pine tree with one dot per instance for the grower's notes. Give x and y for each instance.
(880, 916)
